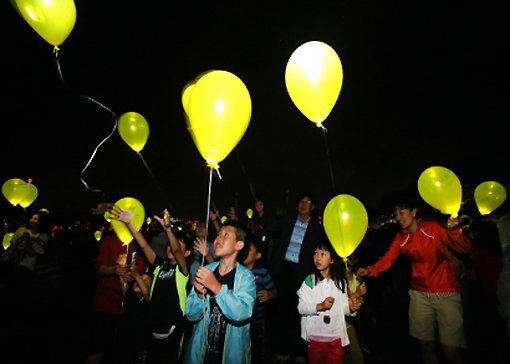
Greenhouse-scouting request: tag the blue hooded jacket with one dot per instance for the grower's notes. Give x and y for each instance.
(236, 306)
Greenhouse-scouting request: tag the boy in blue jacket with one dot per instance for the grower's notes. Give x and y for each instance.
(221, 303)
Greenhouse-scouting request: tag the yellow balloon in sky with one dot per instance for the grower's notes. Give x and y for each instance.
(134, 130)
(441, 189)
(219, 111)
(345, 223)
(249, 213)
(137, 218)
(51, 19)
(489, 196)
(14, 190)
(97, 235)
(314, 78)
(31, 193)
(6, 241)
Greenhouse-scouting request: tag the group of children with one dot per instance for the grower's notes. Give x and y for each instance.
(226, 299)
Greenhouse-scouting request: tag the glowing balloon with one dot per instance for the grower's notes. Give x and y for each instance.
(314, 78)
(31, 193)
(223, 219)
(108, 216)
(97, 235)
(149, 220)
(137, 218)
(6, 241)
(219, 111)
(14, 190)
(345, 223)
(441, 189)
(134, 130)
(489, 196)
(51, 19)
(249, 213)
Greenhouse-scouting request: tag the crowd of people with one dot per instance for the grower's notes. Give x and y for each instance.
(271, 287)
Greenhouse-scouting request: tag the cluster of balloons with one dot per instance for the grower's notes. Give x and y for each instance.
(441, 189)
(19, 192)
(217, 108)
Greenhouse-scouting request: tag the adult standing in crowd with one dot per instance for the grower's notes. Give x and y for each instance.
(295, 238)
(435, 292)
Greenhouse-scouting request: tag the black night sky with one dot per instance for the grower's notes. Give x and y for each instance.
(424, 84)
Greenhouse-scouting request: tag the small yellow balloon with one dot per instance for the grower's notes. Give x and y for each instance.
(53, 20)
(314, 78)
(441, 189)
(14, 190)
(134, 130)
(31, 193)
(108, 216)
(223, 219)
(219, 111)
(137, 218)
(489, 196)
(249, 213)
(6, 241)
(149, 220)
(97, 235)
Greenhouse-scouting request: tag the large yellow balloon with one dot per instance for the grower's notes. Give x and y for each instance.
(30, 195)
(345, 223)
(137, 218)
(51, 19)
(489, 196)
(441, 189)
(6, 241)
(219, 111)
(314, 78)
(134, 130)
(14, 190)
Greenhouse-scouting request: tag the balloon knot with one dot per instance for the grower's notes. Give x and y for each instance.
(211, 164)
(56, 48)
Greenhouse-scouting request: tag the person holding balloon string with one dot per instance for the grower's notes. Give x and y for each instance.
(324, 300)
(435, 292)
(168, 291)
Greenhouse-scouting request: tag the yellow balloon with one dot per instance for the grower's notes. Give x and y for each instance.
(249, 213)
(51, 19)
(149, 220)
(219, 111)
(223, 219)
(137, 218)
(6, 241)
(314, 78)
(186, 93)
(441, 189)
(31, 193)
(134, 130)
(345, 223)
(108, 216)
(14, 190)
(489, 196)
(97, 235)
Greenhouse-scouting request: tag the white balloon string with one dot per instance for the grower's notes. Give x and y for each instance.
(208, 210)
(324, 131)
(59, 70)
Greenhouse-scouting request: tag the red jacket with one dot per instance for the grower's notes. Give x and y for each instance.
(427, 250)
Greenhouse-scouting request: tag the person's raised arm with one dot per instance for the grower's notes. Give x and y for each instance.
(125, 217)
(174, 243)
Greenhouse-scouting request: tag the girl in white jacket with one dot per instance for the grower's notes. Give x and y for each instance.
(323, 304)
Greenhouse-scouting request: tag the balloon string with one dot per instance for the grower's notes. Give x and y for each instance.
(208, 209)
(59, 70)
(172, 210)
(246, 175)
(324, 131)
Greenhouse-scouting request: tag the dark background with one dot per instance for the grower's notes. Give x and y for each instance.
(424, 84)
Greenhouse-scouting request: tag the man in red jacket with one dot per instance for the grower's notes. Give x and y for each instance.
(435, 291)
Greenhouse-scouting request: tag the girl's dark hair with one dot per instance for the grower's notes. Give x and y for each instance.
(337, 268)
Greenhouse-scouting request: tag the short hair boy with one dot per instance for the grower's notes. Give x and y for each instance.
(221, 303)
